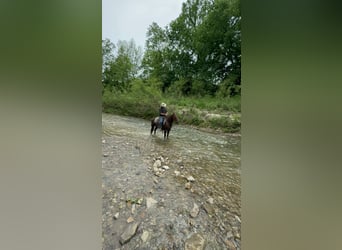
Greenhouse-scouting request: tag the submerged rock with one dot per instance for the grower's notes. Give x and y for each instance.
(129, 232)
(130, 219)
(195, 242)
(209, 209)
(195, 210)
(210, 200)
(150, 202)
(116, 216)
(157, 164)
(144, 236)
(230, 245)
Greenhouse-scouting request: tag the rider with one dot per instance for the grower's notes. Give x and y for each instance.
(162, 114)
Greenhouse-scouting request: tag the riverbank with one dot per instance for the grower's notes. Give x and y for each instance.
(183, 193)
(208, 113)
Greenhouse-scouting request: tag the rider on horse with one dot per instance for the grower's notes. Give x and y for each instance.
(162, 114)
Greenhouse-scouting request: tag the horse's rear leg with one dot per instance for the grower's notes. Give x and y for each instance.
(153, 128)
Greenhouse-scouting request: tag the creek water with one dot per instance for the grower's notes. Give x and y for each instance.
(213, 160)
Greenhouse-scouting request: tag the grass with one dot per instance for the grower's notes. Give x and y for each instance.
(205, 112)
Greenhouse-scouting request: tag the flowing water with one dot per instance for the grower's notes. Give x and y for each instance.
(130, 181)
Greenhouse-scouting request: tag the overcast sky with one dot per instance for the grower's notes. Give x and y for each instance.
(126, 19)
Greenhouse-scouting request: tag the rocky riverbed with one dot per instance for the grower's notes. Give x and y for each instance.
(182, 193)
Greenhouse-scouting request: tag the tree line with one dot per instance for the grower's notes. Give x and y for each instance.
(197, 54)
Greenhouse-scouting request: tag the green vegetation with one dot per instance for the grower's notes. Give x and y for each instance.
(193, 64)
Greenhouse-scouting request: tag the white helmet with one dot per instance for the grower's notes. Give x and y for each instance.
(163, 105)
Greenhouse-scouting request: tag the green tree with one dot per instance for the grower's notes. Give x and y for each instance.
(218, 42)
(156, 62)
(121, 68)
(133, 52)
(199, 51)
(107, 54)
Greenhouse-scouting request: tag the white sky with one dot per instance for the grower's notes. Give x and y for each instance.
(126, 19)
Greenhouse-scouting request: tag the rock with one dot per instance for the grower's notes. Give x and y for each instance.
(210, 200)
(116, 216)
(105, 155)
(162, 159)
(237, 218)
(230, 245)
(133, 208)
(230, 235)
(190, 178)
(144, 236)
(157, 164)
(150, 202)
(130, 219)
(179, 161)
(191, 222)
(129, 232)
(139, 201)
(195, 242)
(209, 209)
(187, 185)
(177, 173)
(195, 210)
(165, 167)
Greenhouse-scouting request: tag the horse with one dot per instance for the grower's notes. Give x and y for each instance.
(167, 125)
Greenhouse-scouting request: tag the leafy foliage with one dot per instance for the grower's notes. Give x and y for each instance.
(194, 61)
(199, 50)
(120, 67)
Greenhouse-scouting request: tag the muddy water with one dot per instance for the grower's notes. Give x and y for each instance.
(129, 182)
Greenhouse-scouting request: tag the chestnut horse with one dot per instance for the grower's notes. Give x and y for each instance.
(166, 126)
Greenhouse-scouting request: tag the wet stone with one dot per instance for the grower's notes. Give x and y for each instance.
(237, 218)
(195, 210)
(116, 216)
(157, 164)
(190, 178)
(209, 209)
(130, 219)
(230, 235)
(195, 242)
(150, 202)
(230, 245)
(144, 236)
(129, 232)
(210, 200)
